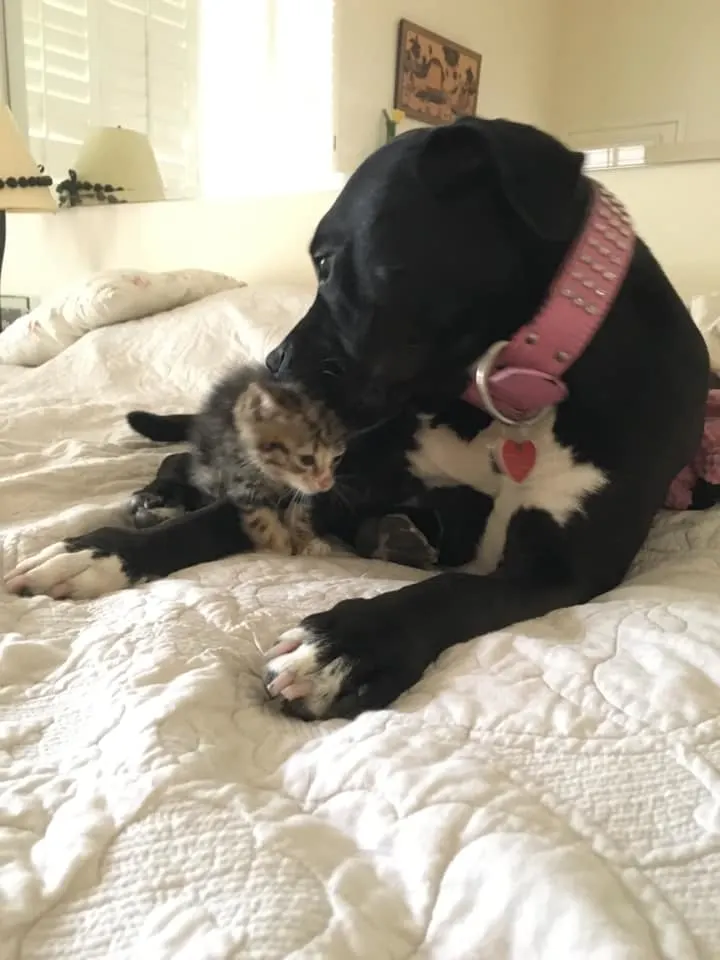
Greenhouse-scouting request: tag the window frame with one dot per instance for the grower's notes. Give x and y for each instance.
(4, 81)
(12, 66)
(614, 140)
(614, 157)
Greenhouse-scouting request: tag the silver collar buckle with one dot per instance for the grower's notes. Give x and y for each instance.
(482, 373)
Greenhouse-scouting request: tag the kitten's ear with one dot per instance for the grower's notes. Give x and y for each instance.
(260, 401)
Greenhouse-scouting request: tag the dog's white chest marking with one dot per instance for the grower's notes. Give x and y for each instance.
(557, 483)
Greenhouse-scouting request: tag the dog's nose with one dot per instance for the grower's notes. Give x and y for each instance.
(373, 394)
(145, 501)
(277, 359)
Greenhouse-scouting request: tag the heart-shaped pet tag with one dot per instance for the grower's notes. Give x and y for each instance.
(516, 459)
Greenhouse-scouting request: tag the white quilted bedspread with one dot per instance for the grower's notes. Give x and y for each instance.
(548, 792)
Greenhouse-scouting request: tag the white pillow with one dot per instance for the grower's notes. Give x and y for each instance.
(112, 296)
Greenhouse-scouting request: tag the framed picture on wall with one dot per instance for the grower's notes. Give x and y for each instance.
(436, 79)
(11, 308)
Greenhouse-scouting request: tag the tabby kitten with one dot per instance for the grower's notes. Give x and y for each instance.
(266, 447)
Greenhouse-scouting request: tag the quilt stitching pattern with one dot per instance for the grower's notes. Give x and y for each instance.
(547, 792)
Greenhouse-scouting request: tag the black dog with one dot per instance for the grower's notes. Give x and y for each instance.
(442, 244)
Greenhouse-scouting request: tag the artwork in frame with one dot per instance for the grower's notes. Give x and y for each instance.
(11, 308)
(436, 80)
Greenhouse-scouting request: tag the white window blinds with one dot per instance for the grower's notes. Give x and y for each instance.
(612, 147)
(130, 63)
(605, 158)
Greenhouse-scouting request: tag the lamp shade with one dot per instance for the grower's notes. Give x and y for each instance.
(17, 167)
(121, 158)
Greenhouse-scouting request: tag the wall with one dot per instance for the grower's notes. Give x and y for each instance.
(675, 212)
(514, 37)
(625, 63)
(254, 239)
(267, 237)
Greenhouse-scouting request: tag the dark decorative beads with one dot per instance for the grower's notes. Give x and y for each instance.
(18, 183)
(72, 192)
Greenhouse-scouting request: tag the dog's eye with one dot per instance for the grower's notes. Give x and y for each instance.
(322, 266)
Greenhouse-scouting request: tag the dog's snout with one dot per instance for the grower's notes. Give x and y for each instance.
(373, 394)
(143, 500)
(277, 359)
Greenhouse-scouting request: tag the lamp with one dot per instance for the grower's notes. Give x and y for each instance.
(115, 165)
(23, 188)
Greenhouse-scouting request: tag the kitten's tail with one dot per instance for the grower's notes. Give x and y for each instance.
(171, 428)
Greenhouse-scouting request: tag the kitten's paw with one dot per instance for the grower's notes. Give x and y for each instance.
(317, 548)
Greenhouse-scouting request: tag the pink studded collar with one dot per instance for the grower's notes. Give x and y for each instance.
(517, 380)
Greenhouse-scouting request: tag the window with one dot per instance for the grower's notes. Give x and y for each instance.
(266, 96)
(604, 158)
(129, 63)
(236, 96)
(612, 147)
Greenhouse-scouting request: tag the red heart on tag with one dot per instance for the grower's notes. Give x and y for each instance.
(517, 459)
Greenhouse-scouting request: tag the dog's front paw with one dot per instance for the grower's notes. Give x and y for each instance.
(67, 571)
(355, 657)
(395, 539)
(300, 674)
(147, 509)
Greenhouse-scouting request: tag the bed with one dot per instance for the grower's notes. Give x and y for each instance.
(547, 792)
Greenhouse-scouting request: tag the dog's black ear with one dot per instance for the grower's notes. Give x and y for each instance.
(539, 175)
(452, 158)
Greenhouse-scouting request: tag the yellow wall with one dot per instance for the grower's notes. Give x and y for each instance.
(631, 62)
(254, 239)
(676, 209)
(515, 38)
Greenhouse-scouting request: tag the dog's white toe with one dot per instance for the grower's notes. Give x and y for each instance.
(295, 673)
(65, 574)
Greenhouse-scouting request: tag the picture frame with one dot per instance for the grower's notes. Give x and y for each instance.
(11, 308)
(436, 79)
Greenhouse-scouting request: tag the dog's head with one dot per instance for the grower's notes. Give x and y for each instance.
(441, 243)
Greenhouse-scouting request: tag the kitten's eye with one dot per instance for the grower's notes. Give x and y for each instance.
(272, 447)
(322, 266)
(307, 460)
